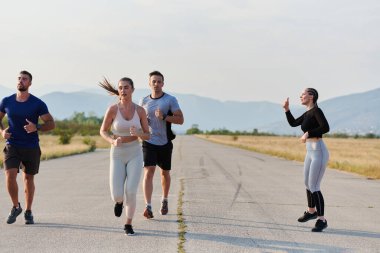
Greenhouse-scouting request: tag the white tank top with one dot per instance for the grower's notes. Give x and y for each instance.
(121, 126)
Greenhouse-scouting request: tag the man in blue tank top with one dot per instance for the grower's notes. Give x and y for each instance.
(162, 110)
(22, 148)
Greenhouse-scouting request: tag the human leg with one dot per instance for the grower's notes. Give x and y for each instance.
(117, 179)
(148, 183)
(12, 186)
(148, 190)
(310, 213)
(12, 164)
(164, 161)
(134, 171)
(29, 188)
(165, 183)
(317, 169)
(150, 155)
(318, 165)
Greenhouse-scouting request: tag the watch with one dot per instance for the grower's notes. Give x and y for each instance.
(164, 116)
(38, 126)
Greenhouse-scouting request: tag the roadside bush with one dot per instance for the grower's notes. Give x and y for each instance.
(91, 143)
(65, 137)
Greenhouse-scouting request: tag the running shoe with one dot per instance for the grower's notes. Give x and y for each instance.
(28, 217)
(319, 226)
(148, 212)
(307, 216)
(164, 207)
(118, 209)
(14, 213)
(129, 230)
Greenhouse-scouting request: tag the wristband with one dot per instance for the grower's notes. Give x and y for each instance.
(164, 116)
(38, 127)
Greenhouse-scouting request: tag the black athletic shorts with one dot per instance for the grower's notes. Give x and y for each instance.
(158, 155)
(26, 158)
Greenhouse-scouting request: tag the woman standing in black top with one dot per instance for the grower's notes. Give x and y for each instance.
(314, 124)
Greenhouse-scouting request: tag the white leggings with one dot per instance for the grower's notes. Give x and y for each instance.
(126, 165)
(315, 164)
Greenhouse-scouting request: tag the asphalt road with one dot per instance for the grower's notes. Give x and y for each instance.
(233, 201)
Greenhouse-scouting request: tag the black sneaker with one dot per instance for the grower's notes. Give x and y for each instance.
(129, 230)
(319, 226)
(14, 213)
(164, 207)
(28, 217)
(307, 216)
(118, 209)
(148, 212)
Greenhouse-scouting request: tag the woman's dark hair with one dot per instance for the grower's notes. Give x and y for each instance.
(127, 79)
(314, 93)
(111, 89)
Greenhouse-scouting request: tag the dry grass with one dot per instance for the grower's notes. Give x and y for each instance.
(51, 148)
(360, 156)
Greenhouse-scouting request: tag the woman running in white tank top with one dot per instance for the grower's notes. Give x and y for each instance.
(127, 121)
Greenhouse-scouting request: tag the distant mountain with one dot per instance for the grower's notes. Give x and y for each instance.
(207, 113)
(356, 113)
(6, 91)
(213, 114)
(63, 105)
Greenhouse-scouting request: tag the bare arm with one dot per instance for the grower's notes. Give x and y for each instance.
(145, 134)
(1, 121)
(176, 118)
(48, 124)
(106, 125)
(3, 131)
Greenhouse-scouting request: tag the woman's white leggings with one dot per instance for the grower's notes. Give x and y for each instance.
(126, 165)
(315, 165)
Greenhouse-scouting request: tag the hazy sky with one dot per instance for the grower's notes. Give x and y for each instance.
(229, 50)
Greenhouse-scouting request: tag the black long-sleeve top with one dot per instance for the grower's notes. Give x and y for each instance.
(312, 121)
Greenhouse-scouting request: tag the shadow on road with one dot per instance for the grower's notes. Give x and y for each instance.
(273, 245)
(278, 226)
(139, 232)
(356, 233)
(77, 227)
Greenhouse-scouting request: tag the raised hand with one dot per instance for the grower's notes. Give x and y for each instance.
(286, 104)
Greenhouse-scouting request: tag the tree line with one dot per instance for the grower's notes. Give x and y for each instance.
(88, 125)
(255, 132)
